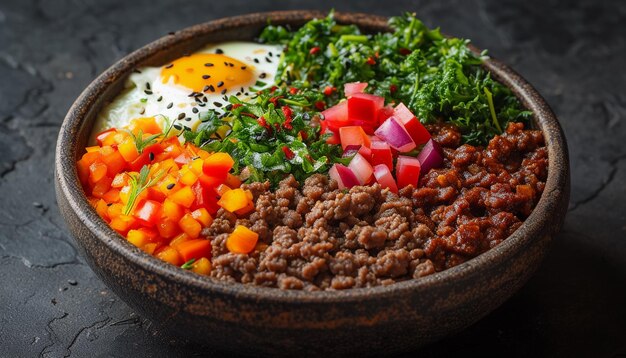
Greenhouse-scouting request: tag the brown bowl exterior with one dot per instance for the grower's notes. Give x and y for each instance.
(256, 320)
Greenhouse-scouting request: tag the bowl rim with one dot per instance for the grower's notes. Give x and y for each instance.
(69, 186)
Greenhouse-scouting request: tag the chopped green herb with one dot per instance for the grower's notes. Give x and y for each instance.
(139, 183)
(188, 265)
(140, 142)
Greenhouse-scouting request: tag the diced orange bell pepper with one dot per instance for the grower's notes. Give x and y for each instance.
(202, 215)
(147, 125)
(242, 240)
(137, 238)
(150, 247)
(222, 189)
(184, 197)
(190, 226)
(122, 223)
(218, 165)
(172, 211)
(120, 180)
(187, 176)
(232, 181)
(115, 210)
(101, 209)
(169, 254)
(168, 228)
(246, 209)
(128, 149)
(234, 200)
(194, 249)
(97, 171)
(201, 266)
(180, 238)
(101, 187)
(115, 163)
(106, 137)
(112, 196)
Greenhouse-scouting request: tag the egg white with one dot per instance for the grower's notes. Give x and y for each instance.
(145, 94)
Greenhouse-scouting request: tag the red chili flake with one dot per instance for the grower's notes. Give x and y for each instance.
(293, 90)
(262, 122)
(289, 154)
(329, 90)
(393, 88)
(277, 126)
(320, 105)
(275, 99)
(236, 105)
(273, 89)
(314, 50)
(288, 117)
(249, 115)
(370, 61)
(303, 135)
(404, 51)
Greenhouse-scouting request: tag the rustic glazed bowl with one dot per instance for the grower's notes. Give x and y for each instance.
(256, 320)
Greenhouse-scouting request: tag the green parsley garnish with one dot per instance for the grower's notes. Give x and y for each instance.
(139, 183)
(140, 142)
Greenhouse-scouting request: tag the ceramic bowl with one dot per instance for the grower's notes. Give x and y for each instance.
(256, 320)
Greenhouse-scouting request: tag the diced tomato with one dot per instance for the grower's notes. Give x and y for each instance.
(361, 168)
(416, 130)
(381, 154)
(353, 135)
(384, 113)
(384, 177)
(337, 113)
(148, 212)
(354, 87)
(144, 157)
(407, 171)
(365, 107)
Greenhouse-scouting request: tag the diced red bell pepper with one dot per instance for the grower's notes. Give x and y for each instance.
(365, 107)
(381, 154)
(101, 137)
(337, 113)
(144, 157)
(204, 198)
(148, 212)
(384, 177)
(407, 171)
(416, 130)
(384, 113)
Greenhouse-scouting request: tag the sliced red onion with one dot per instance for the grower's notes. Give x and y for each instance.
(431, 156)
(384, 177)
(361, 168)
(393, 132)
(344, 177)
(350, 150)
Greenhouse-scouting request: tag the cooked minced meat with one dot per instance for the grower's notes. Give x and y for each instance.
(314, 236)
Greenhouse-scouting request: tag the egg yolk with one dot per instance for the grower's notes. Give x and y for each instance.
(206, 72)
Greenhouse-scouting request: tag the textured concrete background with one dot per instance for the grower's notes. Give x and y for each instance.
(52, 305)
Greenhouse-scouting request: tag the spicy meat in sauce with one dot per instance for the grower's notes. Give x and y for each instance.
(314, 236)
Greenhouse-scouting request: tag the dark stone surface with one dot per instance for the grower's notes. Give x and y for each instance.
(52, 305)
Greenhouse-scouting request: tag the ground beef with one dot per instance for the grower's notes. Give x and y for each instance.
(316, 237)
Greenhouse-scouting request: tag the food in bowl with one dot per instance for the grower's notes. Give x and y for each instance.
(355, 161)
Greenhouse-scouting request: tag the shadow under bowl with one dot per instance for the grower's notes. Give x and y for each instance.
(257, 320)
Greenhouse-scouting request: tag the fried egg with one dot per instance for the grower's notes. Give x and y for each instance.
(179, 92)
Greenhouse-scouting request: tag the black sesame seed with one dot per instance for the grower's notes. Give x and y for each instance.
(238, 94)
(220, 84)
(205, 100)
(192, 94)
(177, 126)
(206, 77)
(256, 60)
(194, 110)
(225, 98)
(271, 54)
(170, 186)
(219, 51)
(206, 88)
(170, 105)
(268, 60)
(201, 104)
(217, 104)
(246, 94)
(170, 65)
(229, 107)
(244, 67)
(159, 99)
(208, 64)
(147, 92)
(225, 63)
(211, 88)
(224, 91)
(231, 64)
(151, 156)
(143, 110)
(148, 85)
(188, 119)
(181, 115)
(109, 204)
(263, 75)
